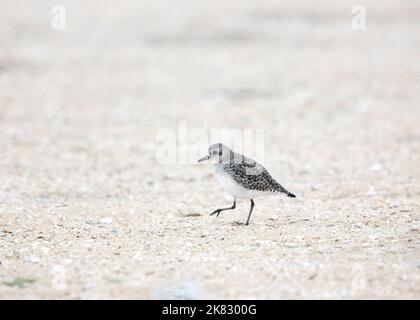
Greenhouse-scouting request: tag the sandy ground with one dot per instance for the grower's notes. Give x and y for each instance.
(87, 211)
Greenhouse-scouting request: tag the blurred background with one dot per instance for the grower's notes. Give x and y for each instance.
(87, 211)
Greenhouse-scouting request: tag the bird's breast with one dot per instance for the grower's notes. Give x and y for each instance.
(234, 188)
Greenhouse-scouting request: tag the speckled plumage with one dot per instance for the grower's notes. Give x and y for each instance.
(251, 175)
(241, 176)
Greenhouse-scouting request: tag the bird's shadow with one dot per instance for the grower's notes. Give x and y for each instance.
(241, 224)
(238, 224)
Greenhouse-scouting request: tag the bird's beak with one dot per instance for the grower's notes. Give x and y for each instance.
(204, 158)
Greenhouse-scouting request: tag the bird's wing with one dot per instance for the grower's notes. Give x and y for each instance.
(251, 175)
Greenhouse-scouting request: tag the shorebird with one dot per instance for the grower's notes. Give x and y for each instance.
(241, 177)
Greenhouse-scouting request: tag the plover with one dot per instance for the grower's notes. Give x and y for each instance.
(241, 177)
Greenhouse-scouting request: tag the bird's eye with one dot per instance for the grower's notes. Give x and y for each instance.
(214, 152)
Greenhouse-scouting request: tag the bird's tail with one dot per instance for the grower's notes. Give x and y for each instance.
(280, 188)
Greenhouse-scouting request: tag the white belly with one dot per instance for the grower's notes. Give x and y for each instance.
(236, 190)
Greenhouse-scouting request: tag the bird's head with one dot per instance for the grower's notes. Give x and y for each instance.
(218, 153)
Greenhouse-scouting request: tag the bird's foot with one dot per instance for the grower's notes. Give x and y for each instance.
(216, 212)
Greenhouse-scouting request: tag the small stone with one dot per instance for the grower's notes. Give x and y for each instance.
(106, 220)
(375, 167)
(33, 259)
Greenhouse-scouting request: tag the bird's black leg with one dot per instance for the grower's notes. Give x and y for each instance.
(220, 210)
(250, 211)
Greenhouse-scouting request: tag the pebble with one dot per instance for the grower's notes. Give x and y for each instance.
(33, 259)
(106, 220)
(375, 167)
